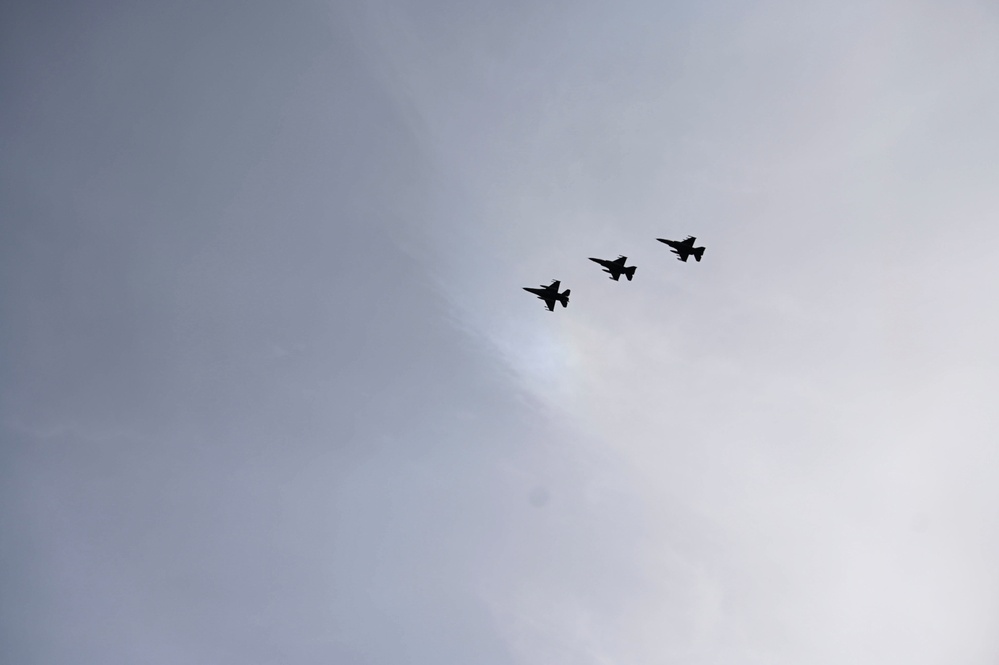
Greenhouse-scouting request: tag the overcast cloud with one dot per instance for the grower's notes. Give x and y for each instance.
(271, 392)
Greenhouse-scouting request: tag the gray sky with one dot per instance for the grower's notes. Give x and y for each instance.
(270, 391)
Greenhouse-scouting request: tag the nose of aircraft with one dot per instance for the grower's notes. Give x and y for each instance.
(594, 260)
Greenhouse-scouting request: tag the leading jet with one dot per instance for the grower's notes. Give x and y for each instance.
(616, 268)
(684, 248)
(550, 294)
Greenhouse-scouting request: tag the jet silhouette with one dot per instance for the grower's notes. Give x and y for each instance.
(616, 267)
(550, 294)
(684, 248)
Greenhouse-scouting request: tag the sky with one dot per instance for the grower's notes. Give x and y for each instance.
(270, 390)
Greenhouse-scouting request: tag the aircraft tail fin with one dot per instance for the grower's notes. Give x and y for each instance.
(697, 252)
(564, 298)
(630, 272)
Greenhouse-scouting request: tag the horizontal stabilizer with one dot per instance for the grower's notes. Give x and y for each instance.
(630, 272)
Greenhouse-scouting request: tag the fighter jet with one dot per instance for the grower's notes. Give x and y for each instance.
(616, 267)
(550, 294)
(684, 248)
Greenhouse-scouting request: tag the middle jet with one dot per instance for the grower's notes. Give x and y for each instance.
(616, 268)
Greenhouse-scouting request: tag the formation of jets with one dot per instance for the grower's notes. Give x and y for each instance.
(615, 268)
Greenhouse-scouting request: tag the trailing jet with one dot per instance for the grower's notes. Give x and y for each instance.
(550, 294)
(684, 248)
(616, 267)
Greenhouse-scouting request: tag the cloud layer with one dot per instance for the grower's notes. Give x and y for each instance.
(272, 393)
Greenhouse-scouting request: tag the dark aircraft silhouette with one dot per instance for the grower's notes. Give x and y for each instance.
(684, 248)
(616, 267)
(550, 294)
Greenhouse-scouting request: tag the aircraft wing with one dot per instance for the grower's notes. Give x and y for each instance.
(550, 301)
(620, 260)
(554, 286)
